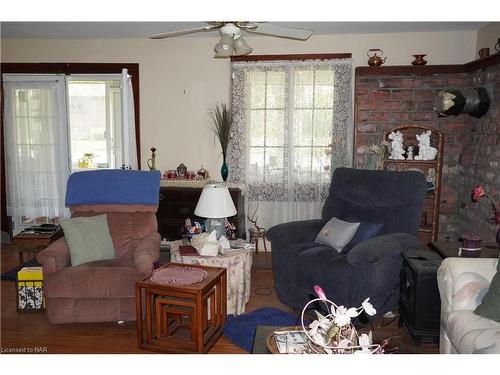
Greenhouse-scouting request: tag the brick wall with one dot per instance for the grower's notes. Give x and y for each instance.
(471, 147)
(480, 159)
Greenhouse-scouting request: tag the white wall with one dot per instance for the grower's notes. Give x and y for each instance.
(487, 37)
(180, 80)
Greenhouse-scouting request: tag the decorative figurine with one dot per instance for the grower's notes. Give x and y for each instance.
(397, 150)
(181, 171)
(203, 173)
(425, 150)
(409, 153)
(430, 180)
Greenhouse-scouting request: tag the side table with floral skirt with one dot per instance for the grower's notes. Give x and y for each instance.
(238, 264)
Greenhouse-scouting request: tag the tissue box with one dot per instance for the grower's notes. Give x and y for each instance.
(29, 287)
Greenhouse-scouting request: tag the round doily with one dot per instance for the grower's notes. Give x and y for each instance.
(178, 275)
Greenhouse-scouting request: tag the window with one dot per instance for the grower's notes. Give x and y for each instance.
(94, 122)
(290, 132)
(57, 124)
(267, 113)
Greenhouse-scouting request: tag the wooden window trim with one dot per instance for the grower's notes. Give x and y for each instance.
(291, 57)
(63, 68)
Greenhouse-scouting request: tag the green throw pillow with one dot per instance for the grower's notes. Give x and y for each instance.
(490, 306)
(88, 239)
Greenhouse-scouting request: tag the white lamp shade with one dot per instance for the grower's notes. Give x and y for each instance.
(215, 202)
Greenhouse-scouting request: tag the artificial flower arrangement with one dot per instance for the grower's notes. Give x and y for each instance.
(335, 333)
(477, 193)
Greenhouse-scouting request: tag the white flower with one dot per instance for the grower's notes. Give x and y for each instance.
(374, 148)
(368, 307)
(365, 342)
(320, 339)
(319, 324)
(343, 315)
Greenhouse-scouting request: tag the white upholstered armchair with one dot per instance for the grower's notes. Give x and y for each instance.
(462, 284)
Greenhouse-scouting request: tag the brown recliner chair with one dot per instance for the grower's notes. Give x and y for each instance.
(103, 291)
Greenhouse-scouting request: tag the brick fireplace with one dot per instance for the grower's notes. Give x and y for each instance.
(393, 96)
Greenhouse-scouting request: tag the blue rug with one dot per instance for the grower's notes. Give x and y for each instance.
(241, 329)
(11, 274)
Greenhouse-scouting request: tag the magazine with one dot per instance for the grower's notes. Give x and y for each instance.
(291, 341)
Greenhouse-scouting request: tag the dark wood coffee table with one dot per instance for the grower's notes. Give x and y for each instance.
(181, 318)
(450, 249)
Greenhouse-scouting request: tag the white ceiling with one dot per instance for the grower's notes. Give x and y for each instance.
(145, 29)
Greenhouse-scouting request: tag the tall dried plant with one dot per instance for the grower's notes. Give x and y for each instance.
(222, 119)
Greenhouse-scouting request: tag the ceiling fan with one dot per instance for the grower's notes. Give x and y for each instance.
(232, 42)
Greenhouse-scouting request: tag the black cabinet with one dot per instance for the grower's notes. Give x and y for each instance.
(178, 203)
(420, 304)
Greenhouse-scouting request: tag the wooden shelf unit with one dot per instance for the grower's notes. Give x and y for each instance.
(429, 223)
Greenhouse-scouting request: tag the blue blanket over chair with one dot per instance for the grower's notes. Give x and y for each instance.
(113, 186)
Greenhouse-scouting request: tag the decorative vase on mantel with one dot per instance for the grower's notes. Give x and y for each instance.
(419, 60)
(224, 170)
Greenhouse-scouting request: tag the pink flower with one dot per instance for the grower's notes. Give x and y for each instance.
(477, 193)
(319, 292)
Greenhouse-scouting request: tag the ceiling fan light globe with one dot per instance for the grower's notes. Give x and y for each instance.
(225, 47)
(241, 47)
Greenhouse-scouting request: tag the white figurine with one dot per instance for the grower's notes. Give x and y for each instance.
(397, 150)
(409, 153)
(425, 150)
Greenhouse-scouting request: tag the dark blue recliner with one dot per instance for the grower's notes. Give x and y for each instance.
(371, 268)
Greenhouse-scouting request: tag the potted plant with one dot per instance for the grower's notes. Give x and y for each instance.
(222, 119)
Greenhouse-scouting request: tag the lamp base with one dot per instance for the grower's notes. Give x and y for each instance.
(217, 225)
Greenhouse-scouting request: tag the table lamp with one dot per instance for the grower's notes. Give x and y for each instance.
(215, 204)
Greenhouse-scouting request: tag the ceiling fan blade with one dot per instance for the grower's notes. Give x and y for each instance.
(279, 31)
(185, 31)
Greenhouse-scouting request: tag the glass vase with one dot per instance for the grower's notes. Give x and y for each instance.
(224, 171)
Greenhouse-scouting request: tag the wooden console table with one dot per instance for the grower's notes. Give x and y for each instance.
(177, 203)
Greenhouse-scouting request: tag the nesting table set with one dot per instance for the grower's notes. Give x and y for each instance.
(182, 308)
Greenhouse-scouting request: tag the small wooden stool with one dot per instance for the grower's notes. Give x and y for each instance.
(255, 235)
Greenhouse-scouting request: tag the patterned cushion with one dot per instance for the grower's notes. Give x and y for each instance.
(463, 282)
(470, 333)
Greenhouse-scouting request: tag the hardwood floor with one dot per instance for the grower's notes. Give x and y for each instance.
(34, 332)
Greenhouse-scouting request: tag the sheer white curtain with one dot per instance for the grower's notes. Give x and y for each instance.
(37, 161)
(290, 132)
(129, 150)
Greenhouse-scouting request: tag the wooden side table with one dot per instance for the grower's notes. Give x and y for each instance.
(181, 318)
(31, 243)
(238, 264)
(450, 249)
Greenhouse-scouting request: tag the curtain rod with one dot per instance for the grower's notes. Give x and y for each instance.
(301, 56)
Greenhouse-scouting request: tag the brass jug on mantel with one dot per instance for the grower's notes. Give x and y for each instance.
(374, 59)
(152, 161)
